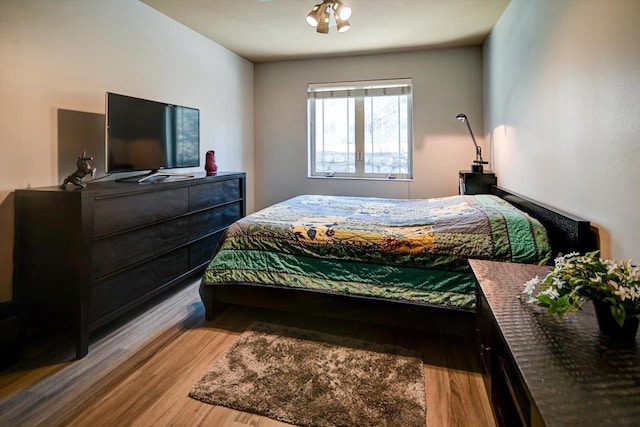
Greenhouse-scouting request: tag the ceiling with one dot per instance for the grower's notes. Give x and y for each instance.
(275, 30)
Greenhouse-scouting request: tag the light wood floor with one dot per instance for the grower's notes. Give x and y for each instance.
(140, 369)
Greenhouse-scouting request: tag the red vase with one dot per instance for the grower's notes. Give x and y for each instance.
(210, 163)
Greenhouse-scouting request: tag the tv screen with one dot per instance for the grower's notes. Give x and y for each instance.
(149, 135)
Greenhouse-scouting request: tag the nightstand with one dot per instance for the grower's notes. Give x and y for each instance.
(476, 183)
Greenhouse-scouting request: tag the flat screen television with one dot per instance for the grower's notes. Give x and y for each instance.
(144, 135)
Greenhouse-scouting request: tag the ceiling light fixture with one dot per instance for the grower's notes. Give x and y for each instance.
(330, 13)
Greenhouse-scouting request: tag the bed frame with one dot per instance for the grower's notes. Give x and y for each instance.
(566, 233)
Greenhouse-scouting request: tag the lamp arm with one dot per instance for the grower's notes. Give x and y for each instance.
(478, 148)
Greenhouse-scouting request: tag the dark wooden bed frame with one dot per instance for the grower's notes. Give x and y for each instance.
(566, 233)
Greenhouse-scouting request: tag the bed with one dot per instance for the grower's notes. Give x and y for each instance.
(386, 261)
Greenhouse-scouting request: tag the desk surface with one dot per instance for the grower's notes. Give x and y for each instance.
(574, 375)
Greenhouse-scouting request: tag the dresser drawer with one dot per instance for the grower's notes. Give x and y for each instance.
(201, 251)
(113, 214)
(216, 193)
(508, 391)
(120, 250)
(121, 291)
(205, 222)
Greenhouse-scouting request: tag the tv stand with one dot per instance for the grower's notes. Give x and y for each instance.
(154, 174)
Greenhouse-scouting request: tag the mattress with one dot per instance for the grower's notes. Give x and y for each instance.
(404, 249)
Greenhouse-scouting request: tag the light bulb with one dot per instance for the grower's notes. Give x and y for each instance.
(342, 25)
(313, 16)
(344, 12)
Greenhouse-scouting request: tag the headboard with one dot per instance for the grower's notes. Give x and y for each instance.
(567, 233)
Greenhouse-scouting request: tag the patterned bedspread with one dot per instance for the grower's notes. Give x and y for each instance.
(407, 249)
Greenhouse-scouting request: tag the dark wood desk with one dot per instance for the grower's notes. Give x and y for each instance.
(544, 371)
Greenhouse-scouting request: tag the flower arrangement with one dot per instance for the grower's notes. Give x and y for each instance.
(576, 279)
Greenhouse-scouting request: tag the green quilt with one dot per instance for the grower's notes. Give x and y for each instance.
(406, 249)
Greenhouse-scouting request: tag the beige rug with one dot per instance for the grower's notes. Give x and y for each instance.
(312, 379)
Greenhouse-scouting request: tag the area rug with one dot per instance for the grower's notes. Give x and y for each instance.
(309, 378)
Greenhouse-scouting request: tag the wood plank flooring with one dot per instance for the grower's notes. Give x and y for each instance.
(140, 369)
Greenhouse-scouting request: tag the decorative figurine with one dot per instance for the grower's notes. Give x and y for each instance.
(210, 164)
(84, 169)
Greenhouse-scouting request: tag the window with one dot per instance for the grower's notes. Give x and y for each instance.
(360, 129)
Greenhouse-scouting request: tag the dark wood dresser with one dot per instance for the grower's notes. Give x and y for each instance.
(544, 371)
(84, 257)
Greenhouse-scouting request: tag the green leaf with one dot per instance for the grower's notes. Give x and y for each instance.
(545, 301)
(559, 306)
(619, 314)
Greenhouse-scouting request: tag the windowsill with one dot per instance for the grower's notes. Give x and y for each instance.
(361, 178)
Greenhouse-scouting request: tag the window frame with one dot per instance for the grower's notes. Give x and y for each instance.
(359, 91)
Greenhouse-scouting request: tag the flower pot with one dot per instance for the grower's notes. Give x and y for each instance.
(610, 328)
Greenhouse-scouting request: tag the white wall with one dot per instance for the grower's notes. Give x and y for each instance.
(445, 82)
(66, 54)
(562, 110)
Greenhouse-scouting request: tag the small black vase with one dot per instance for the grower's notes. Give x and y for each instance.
(610, 328)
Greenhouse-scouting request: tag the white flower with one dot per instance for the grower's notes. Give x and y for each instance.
(562, 260)
(612, 266)
(558, 282)
(623, 293)
(634, 273)
(628, 293)
(530, 287)
(550, 292)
